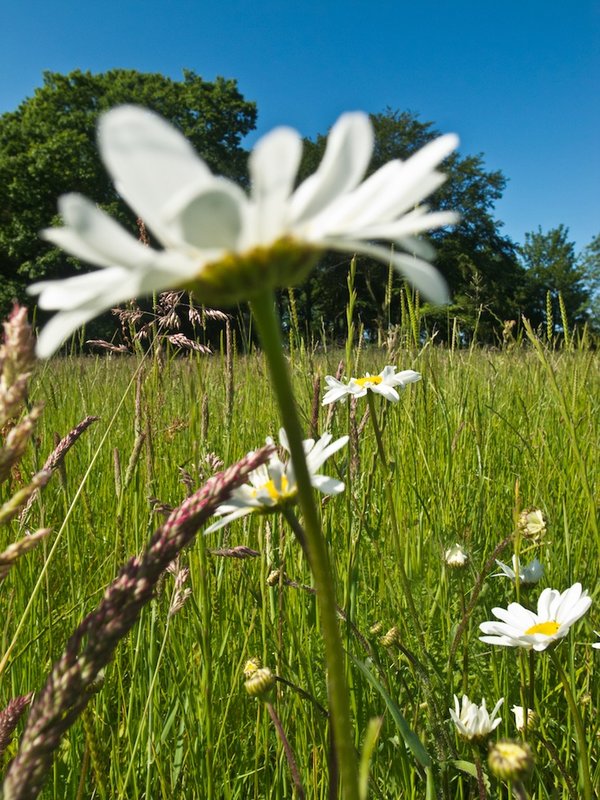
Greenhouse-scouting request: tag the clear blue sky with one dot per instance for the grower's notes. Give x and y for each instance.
(518, 80)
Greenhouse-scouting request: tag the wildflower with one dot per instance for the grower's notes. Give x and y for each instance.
(528, 575)
(474, 722)
(532, 718)
(384, 384)
(510, 761)
(520, 627)
(260, 682)
(273, 485)
(226, 245)
(596, 644)
(532, 524)
(390, 638)
(456, 557)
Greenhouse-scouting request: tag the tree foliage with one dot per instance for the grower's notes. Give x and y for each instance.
(48, 148)
(553, 271)
(478, 261)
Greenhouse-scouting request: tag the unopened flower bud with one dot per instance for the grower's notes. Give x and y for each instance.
(456, 557)
(376, 628)
(510, 761)
(251, 666)
(260, 683)
(390, 638)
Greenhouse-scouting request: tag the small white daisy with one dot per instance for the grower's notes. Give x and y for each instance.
(596, 644)
(384, 384)
(520, 627)
(474, 722)
(273, 485)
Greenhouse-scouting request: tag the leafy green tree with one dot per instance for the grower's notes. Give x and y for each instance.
(552, 268)
(478, 261)
(47, 148)
(588, 262)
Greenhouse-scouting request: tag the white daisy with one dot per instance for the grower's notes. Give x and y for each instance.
(273, 485)
(529, 575)
(520, 627)
(596, 644)
(474, 722)
(229, 246)
(384, 384)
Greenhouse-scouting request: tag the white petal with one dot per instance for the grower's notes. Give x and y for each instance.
(316, 459)
(59, 328)
(207, 217)
(422, 275)
(386, 391)
(273, 166)
(94, 236)
(347, 155)
(149, 161)
(335, 394)
(327, 485)
(220, 523)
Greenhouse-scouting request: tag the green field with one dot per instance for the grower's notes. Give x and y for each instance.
(484, 435)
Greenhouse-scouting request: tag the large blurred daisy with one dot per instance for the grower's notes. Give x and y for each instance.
(229, 246)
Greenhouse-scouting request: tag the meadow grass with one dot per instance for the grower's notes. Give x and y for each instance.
(485, 434)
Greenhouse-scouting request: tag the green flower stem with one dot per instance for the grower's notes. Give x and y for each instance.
(267, 323)
(414, 616)
(584, 763)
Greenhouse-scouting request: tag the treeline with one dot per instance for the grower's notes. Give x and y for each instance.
(47, 148)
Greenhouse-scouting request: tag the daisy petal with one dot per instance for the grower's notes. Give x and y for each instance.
(347, 155)
(149, 160)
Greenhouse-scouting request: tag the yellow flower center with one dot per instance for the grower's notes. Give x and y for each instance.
(369, 379)
(546, 628)
(275, 495)
(241, 276)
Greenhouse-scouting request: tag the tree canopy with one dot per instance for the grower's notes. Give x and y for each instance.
(48, 148)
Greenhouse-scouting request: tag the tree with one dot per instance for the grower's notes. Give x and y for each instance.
(552, 270)
(478, 261)
(588, 262)
(47, 148)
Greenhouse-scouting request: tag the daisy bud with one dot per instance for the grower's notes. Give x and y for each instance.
(251, 666)
(456, 557)
(510, 761)
(390, 638)
(260, 683)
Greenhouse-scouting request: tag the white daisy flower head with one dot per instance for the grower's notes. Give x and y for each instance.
(386, 384)
(520, 627)
(273, 485)
(529, 574)
(229, 246)
(474, 722)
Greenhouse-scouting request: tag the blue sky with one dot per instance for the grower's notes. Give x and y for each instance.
(517, 80)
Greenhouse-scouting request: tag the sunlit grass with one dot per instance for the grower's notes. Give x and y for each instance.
(481, 437)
